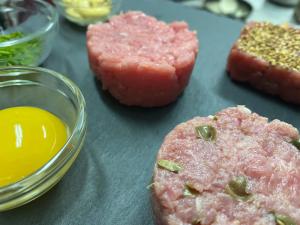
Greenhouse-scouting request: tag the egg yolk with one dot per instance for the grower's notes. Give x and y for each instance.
(29, 138)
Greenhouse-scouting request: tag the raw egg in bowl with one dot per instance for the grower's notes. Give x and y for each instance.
(42, 130)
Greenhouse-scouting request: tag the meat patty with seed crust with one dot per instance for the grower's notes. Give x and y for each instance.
(142, 61)
(232, 168)
(268, 57)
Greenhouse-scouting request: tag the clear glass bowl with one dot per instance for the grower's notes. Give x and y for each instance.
(286, 2)
(84, 12)
(27, 31)
(46, 89)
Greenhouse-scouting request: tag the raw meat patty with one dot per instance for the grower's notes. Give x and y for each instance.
(268, 57)
(142, 61)
(244, 170)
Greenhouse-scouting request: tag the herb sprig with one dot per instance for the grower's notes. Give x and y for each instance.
(22, 54)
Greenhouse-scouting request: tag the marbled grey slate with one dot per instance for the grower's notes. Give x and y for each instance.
(107, 183)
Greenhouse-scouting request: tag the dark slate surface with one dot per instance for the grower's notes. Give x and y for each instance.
(107, 183)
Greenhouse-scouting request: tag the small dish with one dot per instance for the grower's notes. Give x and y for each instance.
(46, 89)
(27, 32)
(85, 12)
(286, 2)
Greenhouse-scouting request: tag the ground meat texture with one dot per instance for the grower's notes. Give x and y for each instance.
(246, 145)
(268, 57)
(142, 61)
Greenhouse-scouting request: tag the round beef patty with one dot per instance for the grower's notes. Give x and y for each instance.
(142, 61)
(234, 168)
(267, 57)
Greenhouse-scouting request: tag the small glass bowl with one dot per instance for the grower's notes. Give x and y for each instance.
(27, 32)
(85, 12)
(46, 89)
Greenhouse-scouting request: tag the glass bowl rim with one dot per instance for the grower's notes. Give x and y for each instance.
(61, 3)
(39, 32)
(79, 128)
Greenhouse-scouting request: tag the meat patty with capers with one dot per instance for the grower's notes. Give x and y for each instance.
(232, 168)
(267, 56)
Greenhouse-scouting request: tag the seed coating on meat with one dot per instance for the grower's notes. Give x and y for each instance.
(278, 45)
(252, 158)
(267, 57)
(140, 60)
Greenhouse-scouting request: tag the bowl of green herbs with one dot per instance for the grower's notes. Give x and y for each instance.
(27, 32)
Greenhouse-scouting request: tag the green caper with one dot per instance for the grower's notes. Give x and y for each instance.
(237, 188)
(283, 219)
(169, 165)
(150, 186)
(207, 132)
(189, 190)
(296, 143)
(196, 222)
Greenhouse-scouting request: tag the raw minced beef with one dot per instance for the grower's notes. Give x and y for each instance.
(140, 60)
(246, 145)
(267, 57)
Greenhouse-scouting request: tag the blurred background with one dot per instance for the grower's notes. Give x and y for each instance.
(276, 11)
